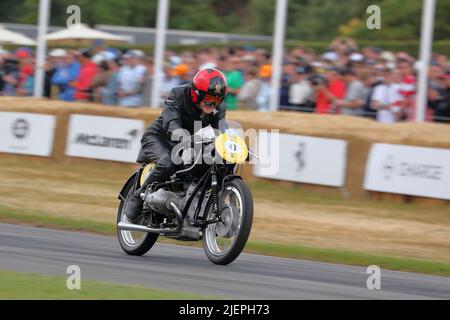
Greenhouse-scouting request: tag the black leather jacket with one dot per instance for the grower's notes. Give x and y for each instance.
(179, 113)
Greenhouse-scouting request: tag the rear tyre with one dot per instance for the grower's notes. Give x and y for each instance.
(134, 243)
(224, 241)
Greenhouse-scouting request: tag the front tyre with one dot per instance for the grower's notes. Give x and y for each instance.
(224, 241)
(134, 243)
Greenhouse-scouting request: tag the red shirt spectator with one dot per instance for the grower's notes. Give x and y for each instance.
(26, 69)
(407, 88)
(83, 83)
(334, 90)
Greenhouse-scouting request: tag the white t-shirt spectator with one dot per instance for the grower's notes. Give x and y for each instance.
(299, 92)
(263, 97)
(249, 92)
(131, 80)
(388, 95)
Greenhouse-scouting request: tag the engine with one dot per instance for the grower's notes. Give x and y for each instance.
(160, 200)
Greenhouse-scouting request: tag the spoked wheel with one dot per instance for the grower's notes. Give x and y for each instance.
(134, 243)
(224, 241)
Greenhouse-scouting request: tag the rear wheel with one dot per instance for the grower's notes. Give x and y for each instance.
(134, 243)
(224, 241)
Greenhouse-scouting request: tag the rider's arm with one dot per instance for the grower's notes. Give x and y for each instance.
(171, 114)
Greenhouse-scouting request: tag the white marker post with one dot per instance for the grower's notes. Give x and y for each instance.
(39, 74)
(160, 44)
(426, 41)
(277, 53)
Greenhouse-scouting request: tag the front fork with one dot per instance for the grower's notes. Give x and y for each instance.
(214, 192)
(215, 204)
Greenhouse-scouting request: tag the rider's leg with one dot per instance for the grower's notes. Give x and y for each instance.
(160, 154)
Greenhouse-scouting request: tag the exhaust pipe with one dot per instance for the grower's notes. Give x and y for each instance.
(163, 231)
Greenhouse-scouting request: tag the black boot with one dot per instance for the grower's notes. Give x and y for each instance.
(134, 206)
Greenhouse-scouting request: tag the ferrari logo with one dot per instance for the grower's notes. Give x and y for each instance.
(218, 88)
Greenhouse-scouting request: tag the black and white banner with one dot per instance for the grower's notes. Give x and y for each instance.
(301, 159)
(416, 171)
(27, 133)
(104, 138)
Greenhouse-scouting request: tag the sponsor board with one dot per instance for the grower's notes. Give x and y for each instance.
(27, 133)
(105, 138)
(416, 171)
(301, 159)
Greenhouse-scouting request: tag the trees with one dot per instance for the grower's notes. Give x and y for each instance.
(307, 19)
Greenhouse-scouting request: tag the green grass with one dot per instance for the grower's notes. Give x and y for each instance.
(259, 247)
(42, 220)
(296, 193)
(28, 286)
(348, 257)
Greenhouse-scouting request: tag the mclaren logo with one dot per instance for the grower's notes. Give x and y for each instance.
(107, 142)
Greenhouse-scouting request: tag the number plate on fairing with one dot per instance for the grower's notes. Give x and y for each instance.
(231, 148)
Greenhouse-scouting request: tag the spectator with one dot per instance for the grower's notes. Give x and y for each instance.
(355, 96)
(300, 90)
(109, 92)
(49, 72)
(439, 101)
(169, 81)
(265, 90)
(206, 59)
(327, 94)
(181, 73)
(131, 79)
(407, 88)
(66, 71)
(83, 83)
(235, 81)
(367, 89)
(26, 70)
(370, 83)
(10, 76)
(26, 86)
(249, 91)
(387, 99)
(100, 80)
(289, 69)
(148, 82)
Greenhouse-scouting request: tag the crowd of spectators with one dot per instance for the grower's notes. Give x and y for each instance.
(344, 79)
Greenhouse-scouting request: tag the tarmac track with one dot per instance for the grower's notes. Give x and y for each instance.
(181, 268)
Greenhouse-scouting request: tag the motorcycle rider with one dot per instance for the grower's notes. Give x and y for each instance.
(200, 100)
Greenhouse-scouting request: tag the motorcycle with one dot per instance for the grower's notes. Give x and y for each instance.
(205, 200)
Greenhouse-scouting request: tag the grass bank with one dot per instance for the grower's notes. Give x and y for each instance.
(29, 286)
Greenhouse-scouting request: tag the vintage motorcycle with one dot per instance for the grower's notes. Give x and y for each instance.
(205, 200)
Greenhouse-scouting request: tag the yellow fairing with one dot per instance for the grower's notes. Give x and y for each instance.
(145, 172)
(231, 148)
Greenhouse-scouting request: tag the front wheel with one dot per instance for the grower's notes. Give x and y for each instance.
(224, 241)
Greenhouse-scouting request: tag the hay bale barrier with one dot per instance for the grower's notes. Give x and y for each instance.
(360, 134)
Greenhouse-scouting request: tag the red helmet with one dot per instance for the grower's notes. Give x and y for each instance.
(210, 82)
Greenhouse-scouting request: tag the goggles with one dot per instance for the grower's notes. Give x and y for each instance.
(211, 101)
